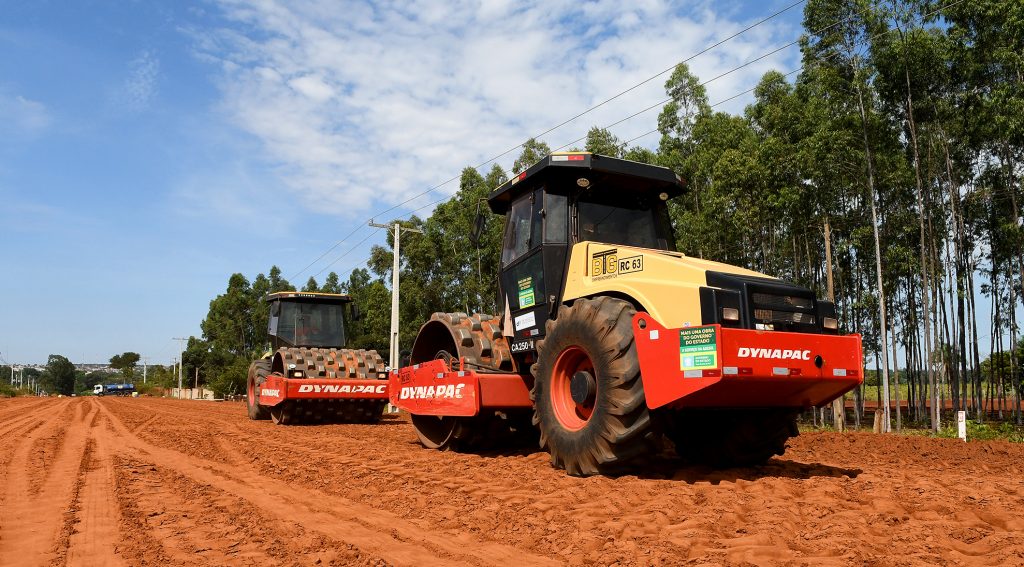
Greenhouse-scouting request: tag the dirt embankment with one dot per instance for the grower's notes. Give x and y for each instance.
(165, 482)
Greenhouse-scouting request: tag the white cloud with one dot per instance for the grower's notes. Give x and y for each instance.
(20, 116)
(139, 88)
(361, 107)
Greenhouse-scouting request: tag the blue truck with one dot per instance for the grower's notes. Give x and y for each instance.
(113, 389)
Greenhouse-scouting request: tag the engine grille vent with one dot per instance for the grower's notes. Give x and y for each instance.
(784, 311)
(786, 302)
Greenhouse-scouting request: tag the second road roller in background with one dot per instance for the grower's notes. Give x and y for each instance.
(308, 376)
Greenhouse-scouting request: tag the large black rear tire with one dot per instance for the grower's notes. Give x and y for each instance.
(731, 438)
(589, 348)
(258, 372)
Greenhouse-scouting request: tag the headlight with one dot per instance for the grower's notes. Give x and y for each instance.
(730, 314)
(830, 323)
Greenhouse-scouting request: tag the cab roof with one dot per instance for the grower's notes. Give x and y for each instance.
(310, 296)
(598, 169)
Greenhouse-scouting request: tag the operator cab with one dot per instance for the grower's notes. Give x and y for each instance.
(306, 319)
(564, 199)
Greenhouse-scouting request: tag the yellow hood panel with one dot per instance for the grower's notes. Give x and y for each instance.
(666, 284)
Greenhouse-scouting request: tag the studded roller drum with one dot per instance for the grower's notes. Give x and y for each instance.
(329, 363)
(476, 338)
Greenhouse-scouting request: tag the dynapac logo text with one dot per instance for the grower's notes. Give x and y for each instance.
(343, 389)
(443, 391)
(783, 354)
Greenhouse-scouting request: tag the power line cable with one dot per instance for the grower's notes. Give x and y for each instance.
(335, 261)
(553, 128)
(729, 72)
(794, 71)
(705, 83)
(663, 102)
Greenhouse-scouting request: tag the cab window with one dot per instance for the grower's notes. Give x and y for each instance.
(617, 217)
(523, 232)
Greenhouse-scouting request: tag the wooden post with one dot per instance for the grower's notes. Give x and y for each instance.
(839, 413)
(879, 420)
(839, 405)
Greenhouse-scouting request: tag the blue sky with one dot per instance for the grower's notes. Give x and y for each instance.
(150, 149)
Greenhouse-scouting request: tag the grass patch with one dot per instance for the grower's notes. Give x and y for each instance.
(1004, 431)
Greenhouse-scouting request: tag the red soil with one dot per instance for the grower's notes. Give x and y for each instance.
(120, 481)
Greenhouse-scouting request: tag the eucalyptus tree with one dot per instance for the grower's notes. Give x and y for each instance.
(835, 52)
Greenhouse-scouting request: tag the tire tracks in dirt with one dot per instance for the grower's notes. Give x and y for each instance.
(374, 531)
(91, 525)
(31, 520)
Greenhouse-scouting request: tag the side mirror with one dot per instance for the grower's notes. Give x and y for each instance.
(479, 224)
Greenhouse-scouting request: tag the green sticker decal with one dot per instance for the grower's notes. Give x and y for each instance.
(526, 295)
(698, 348)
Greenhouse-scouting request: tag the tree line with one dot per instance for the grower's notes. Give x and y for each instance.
(885, 175)
(60, 376)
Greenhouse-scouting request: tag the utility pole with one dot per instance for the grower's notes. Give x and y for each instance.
(397, 232)
(145, 362)
(181, 361)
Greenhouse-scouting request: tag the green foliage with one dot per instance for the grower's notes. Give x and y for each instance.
(373, 300)
(85, 381)
(125, 363)
(230, 378)
(1002, 431)
(601, 141)
(234, 334)
(441, 270)
(533, 151)
(162, 377)
(331, 284)
(61, 374)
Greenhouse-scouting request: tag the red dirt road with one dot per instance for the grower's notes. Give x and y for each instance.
(121, 481)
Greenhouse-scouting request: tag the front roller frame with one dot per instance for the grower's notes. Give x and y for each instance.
(434, 388)
(277, 389)
(717, 367)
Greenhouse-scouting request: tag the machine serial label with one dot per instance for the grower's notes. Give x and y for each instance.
(607, 264)
(698, 348)
(523, 346)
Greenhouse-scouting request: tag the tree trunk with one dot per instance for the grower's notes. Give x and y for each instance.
(926, 312)
(839, 405)
(883, 326)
